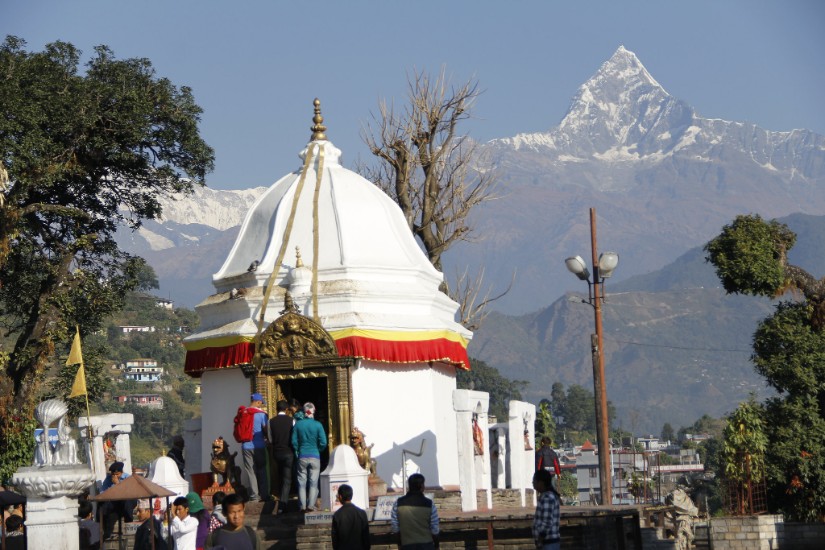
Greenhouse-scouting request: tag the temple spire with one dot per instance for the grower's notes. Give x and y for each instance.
(318, 128)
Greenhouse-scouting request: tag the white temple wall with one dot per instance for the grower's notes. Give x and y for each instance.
(399, 405)
(222, 392)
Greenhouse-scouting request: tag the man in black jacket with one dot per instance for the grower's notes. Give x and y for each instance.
(350, 526)
(280, 429)
(143, 535)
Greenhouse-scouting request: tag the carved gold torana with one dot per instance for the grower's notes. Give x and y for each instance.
(293, 336)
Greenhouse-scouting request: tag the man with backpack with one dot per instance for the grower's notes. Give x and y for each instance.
(251, 431)
(547, 459)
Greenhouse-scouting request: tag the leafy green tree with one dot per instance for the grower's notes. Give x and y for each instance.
(568, 487)
(579, 410)
(743, 450)
(86, 152)
(751, 257)
(482, 377)
(667, 432)
(558, 399)
(147, 279)
(545, 425)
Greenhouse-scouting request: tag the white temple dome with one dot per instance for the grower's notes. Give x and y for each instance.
(373, 280)
(358, 224)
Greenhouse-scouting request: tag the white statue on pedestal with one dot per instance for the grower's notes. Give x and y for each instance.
(65, 451)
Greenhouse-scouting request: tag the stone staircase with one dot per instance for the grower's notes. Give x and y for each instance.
(651, 540)
(277, 532)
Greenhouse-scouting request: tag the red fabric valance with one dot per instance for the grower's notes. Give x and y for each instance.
(385, 351)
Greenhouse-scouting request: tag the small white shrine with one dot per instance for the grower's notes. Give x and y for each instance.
(353, 321)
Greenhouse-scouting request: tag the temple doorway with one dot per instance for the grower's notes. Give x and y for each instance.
(304, 387)
(314, 390)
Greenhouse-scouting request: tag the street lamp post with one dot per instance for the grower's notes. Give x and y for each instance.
(603, 266)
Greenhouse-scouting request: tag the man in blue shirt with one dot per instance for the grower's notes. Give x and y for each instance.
(112, 510)
(254, 452)
(308, 440)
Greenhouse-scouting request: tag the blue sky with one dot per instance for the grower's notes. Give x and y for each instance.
(255, 66)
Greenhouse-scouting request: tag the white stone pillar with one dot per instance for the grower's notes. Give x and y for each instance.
(118, 425)
(473, 470)
(123, 448)
(499, 432)
(94, 449)
(522, 417)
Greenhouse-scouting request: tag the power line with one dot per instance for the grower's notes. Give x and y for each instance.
(643, 344)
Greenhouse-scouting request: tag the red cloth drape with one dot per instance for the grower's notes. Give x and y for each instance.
(439, 349)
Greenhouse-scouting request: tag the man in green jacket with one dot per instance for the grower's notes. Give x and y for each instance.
(308, 440)
(415, 518)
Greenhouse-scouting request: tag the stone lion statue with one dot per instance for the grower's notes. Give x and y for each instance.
(364, 453)
(223, 463)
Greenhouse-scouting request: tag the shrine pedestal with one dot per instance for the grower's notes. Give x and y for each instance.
(377, 487)
(51, 507)
(343, 468)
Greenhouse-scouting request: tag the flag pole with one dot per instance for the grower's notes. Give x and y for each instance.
(76, 356)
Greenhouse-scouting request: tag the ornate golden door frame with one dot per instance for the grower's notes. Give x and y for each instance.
(338, 374)
(294, 347)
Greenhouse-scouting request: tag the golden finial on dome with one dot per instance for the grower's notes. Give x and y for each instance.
(298, 261)
(318, 128)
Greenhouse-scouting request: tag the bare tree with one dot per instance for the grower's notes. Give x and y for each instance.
(435, 174)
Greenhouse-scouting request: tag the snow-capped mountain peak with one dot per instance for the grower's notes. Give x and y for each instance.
(620, 105)
(621, 112)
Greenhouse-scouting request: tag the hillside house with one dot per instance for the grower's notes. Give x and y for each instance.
(165, 304)
(150, 400)
(142, 370)
(126, 329)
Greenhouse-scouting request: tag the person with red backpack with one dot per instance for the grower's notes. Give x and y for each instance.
(547, 459)
(251, 431)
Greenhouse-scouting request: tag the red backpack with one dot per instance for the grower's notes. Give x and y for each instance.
(244, 424)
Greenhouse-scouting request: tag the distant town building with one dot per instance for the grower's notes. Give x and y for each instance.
(136, 328)
(165, 304)
(150, 400)
(587, 474)
(697, 438)
(142, 370)
(649, 443)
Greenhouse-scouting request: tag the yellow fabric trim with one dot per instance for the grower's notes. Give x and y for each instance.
(400, 336)
(218, 342)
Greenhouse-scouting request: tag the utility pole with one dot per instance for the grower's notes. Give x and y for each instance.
(603, 266)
